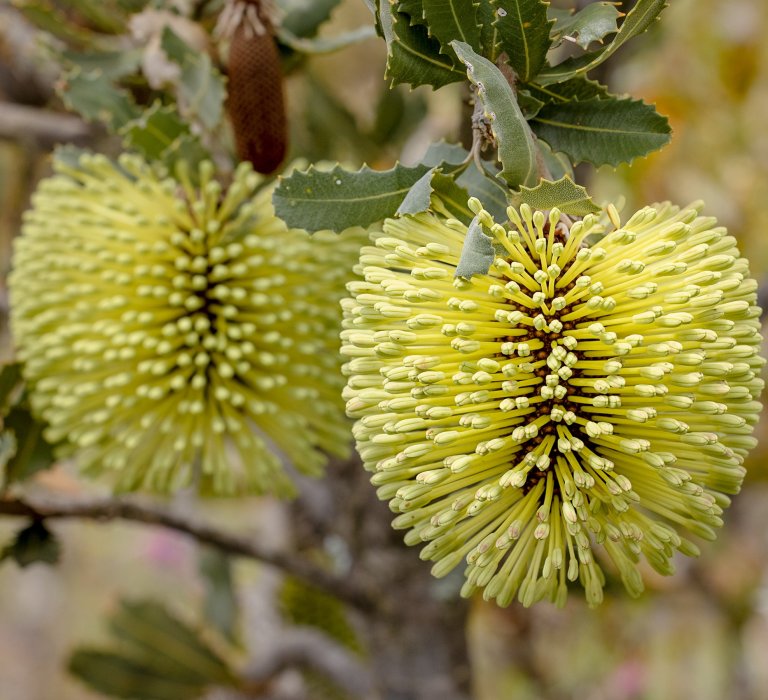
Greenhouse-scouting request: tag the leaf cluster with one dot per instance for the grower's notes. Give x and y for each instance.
(540, 115)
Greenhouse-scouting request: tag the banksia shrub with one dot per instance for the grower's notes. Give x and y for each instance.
(577, 406)
(174, 333)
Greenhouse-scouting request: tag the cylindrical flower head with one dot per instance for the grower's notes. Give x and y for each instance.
(574, 407)
(174, 333)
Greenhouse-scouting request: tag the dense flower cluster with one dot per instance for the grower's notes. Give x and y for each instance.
(575, 406)
(174, 333)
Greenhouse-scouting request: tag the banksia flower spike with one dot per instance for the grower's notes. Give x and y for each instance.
(176, 334)
(577, 407)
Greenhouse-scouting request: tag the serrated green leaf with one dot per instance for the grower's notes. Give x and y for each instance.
(34, 544)
(325, 45)
(452, 19)
(516, 147)
(220, 607)
(113, 64)
(489, 32)
(166, 644)
(340, 199)
(303, 18)
(579, 88)
(413, 57)
(565, 194)
(593, 23)
(638, 20)
(118, 676)
(155, 130)
(93, 95)
(602, 132)
(524, 34)
(477, 254)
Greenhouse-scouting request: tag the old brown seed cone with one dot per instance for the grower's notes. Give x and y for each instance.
(256, 103)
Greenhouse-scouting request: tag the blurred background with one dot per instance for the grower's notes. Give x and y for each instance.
(702, 635)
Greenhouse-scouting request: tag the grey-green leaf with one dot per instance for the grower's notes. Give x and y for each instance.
(602, 132)
(303, 18)
(93, 95)
(593, 23)
(339, 199)
(413, 57)
(638, 20)
(516, 147)
(478, 252)
(565, 194)
(523, 29)
(323, 45)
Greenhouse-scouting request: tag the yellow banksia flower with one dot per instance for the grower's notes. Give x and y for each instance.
(174, 333)
(577, 407)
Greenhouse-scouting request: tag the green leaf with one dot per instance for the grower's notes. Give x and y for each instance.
(7, 451)
(306, 606)
(478, 252)
(166, 644)
(529, 105)
(10, 379)
(452, 19)
(602, 131)
(339, 199)
(558, 164)
(113, 64)
(35, 543)
(155, 130)
(446, 192)
(325, 44)
(638, 20)
(44, 15)
(201, 88)
(565, 194)
(579, 88)
(413, 57)
(517, 150)
(593, 23)
(524, 34)
(221, 608)
(489, 32)
(303, 18)
(117, 676)
(483, 185)
(93, 95)
(33, 453)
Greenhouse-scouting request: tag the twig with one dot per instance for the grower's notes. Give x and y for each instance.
(18, 122)
(304, 647)
(120, 509)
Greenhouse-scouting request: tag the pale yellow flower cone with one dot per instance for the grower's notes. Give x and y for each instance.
(576, 407)
(175, 334)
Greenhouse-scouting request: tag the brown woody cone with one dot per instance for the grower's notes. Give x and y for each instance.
(256, 103)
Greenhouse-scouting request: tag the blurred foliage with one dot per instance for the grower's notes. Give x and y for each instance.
(158, 657)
